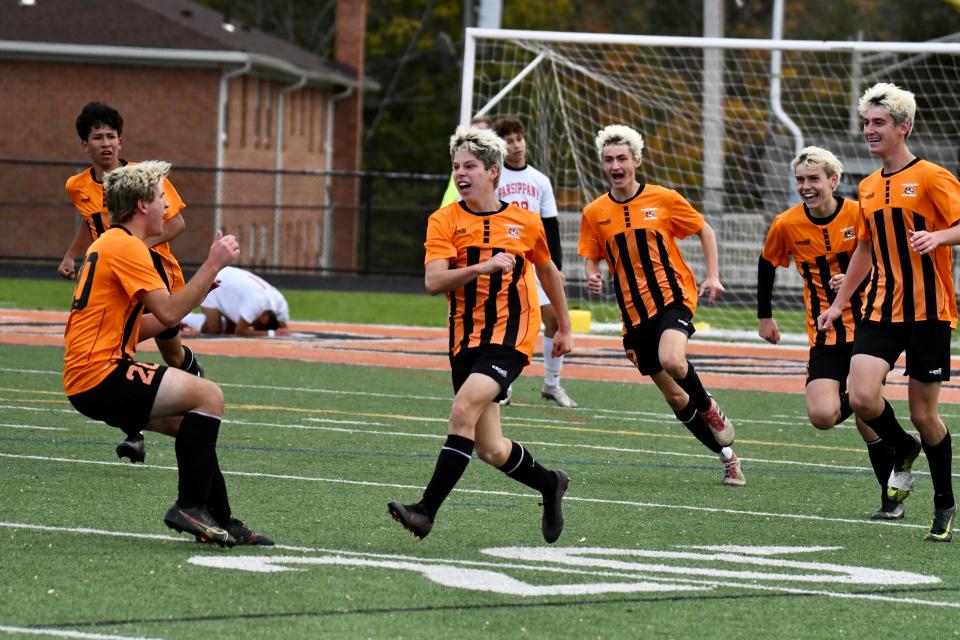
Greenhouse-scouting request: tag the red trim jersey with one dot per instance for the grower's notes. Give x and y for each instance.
(86, 193)
(820, 248)
(104, 321)
(500, 308)
(637, 238)
(905, 286)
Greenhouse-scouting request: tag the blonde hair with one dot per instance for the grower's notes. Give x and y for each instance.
(620, 134)
(125, 186)
(486, 145)
(818, 158)
(899, 103)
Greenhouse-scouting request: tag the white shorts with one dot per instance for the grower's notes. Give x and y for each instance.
(544, 300)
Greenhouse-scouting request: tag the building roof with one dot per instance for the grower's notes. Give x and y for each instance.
(175, 26)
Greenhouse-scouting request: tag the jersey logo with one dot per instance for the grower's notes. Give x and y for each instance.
(513, 230)
(461, 231)
(910, 190)
(607, 221)
(847, 233)
(649, 214)
(802, 243)
(868, 196)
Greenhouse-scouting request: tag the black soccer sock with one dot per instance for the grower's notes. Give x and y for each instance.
(190, 363)
(218, 504)
(694, 388)
(195, 447)
(451, 463)
(693, 421)
(522, 467)
(939, 461)
(886, 426)
(881, 459)
(845, 409)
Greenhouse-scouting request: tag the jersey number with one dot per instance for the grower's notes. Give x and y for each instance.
(84, 282)
(143, 371)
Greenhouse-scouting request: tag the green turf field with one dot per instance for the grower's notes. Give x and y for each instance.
(654, 546)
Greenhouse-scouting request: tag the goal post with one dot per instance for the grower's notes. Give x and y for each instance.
(721, 120)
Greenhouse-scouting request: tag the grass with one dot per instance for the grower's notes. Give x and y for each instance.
(378, 308)
(313, 452)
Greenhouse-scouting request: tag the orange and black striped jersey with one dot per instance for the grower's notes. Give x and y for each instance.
(637, 238)
(86, 193)
(905, 286)
(500, 308)
(820, 248)
(104, 321)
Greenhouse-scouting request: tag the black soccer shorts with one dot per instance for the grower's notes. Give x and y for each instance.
(496, 361)
(125, 397)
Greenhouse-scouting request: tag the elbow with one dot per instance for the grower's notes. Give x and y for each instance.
(432, 289)
(166, 319)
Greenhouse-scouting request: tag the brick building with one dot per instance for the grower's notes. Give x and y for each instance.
(196, 91)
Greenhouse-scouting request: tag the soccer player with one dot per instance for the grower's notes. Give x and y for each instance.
(104, 382)
(634, 227)
(243, 304)
(100, 128)
(909, 209)
(530, 189)
(819, 235)
(481, 253)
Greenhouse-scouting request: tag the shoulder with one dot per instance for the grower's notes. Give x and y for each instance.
(790, 216)
(598, 204)
(932, 171)
(79, 182)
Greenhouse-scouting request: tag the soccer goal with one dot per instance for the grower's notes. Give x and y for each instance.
(721, 119)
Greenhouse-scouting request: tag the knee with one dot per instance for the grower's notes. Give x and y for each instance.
(924, 418)
(822, 420)
(676, 399)
(462, 419)
(494, 454)
(214, 398)
(676, 367)
(865, 404)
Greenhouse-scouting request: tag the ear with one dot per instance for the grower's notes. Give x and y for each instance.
(834, 181)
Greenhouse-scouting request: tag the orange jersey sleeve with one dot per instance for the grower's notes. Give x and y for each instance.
(499, 308)
(905, 286)
(104, 321)
(820, 248)
(637, 238)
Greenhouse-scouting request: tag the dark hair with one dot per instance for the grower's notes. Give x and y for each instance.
(98, 114)
(272, 323)
(505, 126)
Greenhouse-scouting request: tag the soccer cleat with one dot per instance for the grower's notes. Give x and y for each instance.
(190, 363)
(889, 509)
(412, 517)
(732, 473)
(942, 528)
(900, 483)
(719, 424)
(133, 447)
(558, 395)
(199, 523)
(552, 523)
(243, 535)
(506, 401)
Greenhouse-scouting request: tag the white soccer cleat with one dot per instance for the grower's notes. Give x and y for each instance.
(719, 424)
(732, 473)
(558, 395)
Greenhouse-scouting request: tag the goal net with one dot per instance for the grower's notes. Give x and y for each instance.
(721, 120)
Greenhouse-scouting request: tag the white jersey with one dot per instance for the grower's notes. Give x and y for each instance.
(529, 189)
(242, 294)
